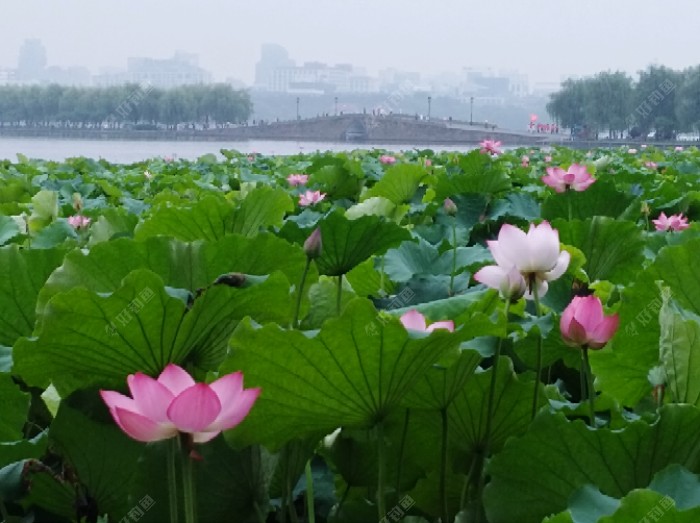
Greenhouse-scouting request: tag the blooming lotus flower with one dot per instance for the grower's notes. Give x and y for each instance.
(78, 221)
(632, 151)
(490, 147)
(161, 408)
(310, 198)
(583, 323)
(577, 178)
(536, 255)
(651, 165)
(548, 159)
(510, 283)
(525, 161)
(148, 175)
(387, 159)
(678, 148)
(297, 179)
(675, 222)
(414, 320)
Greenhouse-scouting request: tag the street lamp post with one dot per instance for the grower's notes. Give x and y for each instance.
(336, 106)
(471, 110)
(297, 108)
(430, 99)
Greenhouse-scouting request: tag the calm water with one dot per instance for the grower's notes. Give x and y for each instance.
(134, 151)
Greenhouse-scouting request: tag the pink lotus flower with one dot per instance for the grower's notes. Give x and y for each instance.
(490, 147)
(387, 159)
(577, 178)
(651, 165)
(161, 408)
(310, 198)
(414, 320)
(678, 148)
(525, 161)
(675, 222)
(428, 162)
(297, 179)
(583, 323)
(510, 283)
(536, 255)
(548, 159)
(78, 221)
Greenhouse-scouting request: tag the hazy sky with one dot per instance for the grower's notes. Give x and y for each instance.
(544, 38)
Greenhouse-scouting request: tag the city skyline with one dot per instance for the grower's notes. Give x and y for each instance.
(542, 38)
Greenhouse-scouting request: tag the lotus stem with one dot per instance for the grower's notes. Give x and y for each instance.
(402, 446)
(536, 395)
(454, 256)
(381, 471)
(443, 466)
(188, 485)
(591, 387)
(295, 323)
(340, 293)
(173, 449)
(310, 509)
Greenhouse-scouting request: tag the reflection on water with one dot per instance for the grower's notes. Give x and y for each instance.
(134, 151)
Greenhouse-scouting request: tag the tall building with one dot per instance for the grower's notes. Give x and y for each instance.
(31, 64)
(181, 69)
(272, 56)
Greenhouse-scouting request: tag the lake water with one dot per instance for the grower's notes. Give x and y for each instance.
(134, 151)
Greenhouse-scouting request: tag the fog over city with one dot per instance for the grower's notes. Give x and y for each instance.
(545, 39)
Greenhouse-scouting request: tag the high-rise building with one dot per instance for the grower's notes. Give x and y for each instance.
(181, 69)
(272, 56)
(31, 64)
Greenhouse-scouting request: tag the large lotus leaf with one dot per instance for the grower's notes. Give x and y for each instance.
(478, 176)
(183, 265)
(44, 210)
(354, 372)
(643, 505)
(347, 243)
(14, 451)
(677, 266)
(613, 249)
(623, 370)
(399, 183)
(112, 223)
(8, 229)
(600, 199)
(15, 405)
(679, 349)
(227, 483)
(412, 258)
(511, 416)
(538, 472)
(336, 181)
(22, 275)
(438, 387)
(102, 459)
(517, 205)
(88, 338)
(213, 217)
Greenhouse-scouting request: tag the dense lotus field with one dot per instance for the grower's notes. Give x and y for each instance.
(363, 337)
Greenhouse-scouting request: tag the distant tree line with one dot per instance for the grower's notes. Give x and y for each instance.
(663, 100)
(131, 104)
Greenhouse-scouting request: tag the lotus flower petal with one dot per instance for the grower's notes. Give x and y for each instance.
(195, 409)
